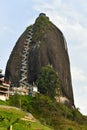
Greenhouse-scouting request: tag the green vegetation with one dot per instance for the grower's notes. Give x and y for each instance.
(3, 102)
(41, 24)
(9, 117)
(12, 116)
(49, 112)
(43, 107)
(48, 82)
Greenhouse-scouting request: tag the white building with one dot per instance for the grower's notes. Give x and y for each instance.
(4, 90)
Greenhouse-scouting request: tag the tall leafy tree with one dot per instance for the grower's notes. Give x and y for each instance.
(48, 81)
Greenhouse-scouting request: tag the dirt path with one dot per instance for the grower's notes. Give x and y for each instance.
(9, 107)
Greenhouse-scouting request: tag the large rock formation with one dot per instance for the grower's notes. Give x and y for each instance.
(41, 44)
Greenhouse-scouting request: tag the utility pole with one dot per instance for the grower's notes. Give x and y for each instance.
(20, 102)
(10, 127)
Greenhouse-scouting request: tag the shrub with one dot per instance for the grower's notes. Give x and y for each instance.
(70, 128)
(48, 82)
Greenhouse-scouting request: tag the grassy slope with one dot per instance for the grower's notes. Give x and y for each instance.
(3, 103)
(45, 111)
(58, 116)
(49, 112)
(13, 116)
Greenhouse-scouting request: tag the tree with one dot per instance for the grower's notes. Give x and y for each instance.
(48, 81)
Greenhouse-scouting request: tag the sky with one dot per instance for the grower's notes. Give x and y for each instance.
(69, 16)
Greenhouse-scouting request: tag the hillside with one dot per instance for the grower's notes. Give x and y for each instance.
(56, 116)
(19, 119)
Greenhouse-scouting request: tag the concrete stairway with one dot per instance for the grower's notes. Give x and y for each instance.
(24, 64)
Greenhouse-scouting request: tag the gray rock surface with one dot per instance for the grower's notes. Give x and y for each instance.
(47, 45)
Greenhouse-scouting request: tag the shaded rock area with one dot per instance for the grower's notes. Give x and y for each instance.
(47, 46)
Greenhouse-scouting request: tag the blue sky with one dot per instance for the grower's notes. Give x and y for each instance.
(69, 16)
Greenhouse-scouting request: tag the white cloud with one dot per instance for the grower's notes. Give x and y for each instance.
(81, 103)
(8, 29)
(78, 75)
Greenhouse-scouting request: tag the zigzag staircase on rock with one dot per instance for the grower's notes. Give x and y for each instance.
(24, 65)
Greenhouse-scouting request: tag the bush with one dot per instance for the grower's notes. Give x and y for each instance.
(48, 82)
(70, 128)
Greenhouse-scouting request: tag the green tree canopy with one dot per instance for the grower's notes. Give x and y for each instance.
(48, 81)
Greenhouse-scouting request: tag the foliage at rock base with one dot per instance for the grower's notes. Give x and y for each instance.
(48, 111)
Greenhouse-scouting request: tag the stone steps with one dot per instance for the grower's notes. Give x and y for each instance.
(24, 60)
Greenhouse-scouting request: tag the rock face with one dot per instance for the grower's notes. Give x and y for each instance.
(41, 44)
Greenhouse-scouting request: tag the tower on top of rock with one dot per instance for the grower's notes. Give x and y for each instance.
(42, 14)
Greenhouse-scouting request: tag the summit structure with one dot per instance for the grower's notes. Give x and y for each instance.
(42, 43)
